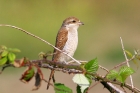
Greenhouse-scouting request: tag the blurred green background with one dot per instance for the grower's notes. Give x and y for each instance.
(105, 22)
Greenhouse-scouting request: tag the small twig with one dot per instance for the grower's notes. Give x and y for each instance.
(133, 88)
(124, 89)
(41, 40)
(3, 68)
(48, 82)
(103, 68)
(127, 61)
(124, 53)
(92, 86)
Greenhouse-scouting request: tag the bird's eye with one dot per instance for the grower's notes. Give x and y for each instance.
(73, 21)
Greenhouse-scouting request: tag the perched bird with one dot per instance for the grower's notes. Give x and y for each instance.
(67, 41)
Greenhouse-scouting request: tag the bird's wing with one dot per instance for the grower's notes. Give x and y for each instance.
(61, 40)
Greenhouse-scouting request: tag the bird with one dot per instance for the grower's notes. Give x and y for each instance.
(66, 41)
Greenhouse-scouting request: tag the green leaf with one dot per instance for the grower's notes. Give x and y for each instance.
(92, 66)
(27, 75)
(82, 81)
(61, 88)
(84, 89)
(89, 77)
(119, 78)
(124, 72)
(13, 50)
(11, 56)
(78, 88)
(112, 75)
(3, 61)
(129, 53)
(4, 53)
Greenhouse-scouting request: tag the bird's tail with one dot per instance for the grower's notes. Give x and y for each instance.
(51, 76)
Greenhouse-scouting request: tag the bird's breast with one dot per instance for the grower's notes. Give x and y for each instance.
(71, 43)
(70, 46)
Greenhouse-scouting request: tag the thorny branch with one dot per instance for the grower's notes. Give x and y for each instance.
(76, 69)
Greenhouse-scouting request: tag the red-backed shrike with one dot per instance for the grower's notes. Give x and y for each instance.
(66, 40)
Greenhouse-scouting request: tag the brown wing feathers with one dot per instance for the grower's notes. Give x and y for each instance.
(60, 43)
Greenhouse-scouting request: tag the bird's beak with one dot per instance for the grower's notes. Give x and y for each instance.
(81, 23)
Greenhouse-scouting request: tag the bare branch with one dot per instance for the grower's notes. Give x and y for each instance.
(134, 87)
(92, 86)
(103, 68)
(126, 61)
